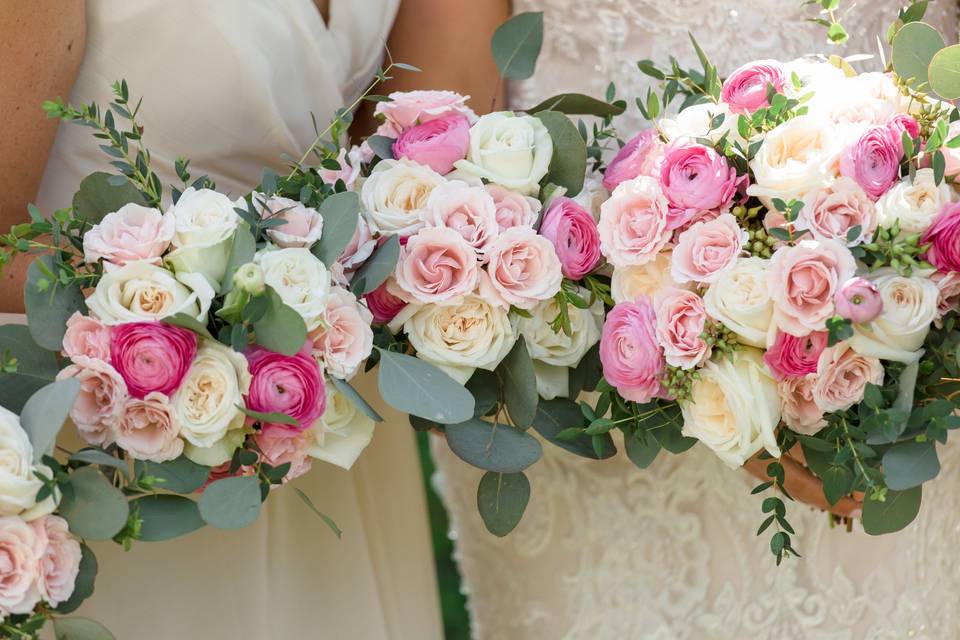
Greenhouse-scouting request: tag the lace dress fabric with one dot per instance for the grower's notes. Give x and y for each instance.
(607, 551)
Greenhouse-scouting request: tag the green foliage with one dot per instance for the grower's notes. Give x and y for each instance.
(30, 367)
(98, 196)
(382, 146)
(501, 499)
(485, 388)
(356, 399)
(93, 507)
(378, 267)
(897, 510)
(80, 629)
(180, 475)
(516, 45)
(838, 330)
(913, 48)
(167, 516)
(281, 329)
(84, 584)
(45, 412)
(568, 164)
(231, 503)
(327, 520)
(51, 297)
(554, 417)
(945, 72)
(780, 542)
(242, 251)
(340, 213)
(910, 464)
(519, 385)
(493, 447)
(642, 448)
(578, 104)
(416, 387)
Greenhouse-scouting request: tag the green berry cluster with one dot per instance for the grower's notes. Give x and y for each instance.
(902, 252)
(722, 340)
(679, 382)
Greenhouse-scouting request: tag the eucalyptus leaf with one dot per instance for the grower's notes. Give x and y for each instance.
(49, 308)
(482, 385)
(568, 165)
(99, 457)
(231, 503)
(913, 49)
(910, 464)
(501, 499)
(84, 584)
(356, 399)
(340, 213)
(36, 367)
(382, 146)
(499, 448)
(180, 475)
(577, 104)
(945, 73)
(837, 482)
(519, 385)
(555, 416)
(242, 250)
(327, 520)
(642, 453)
(413, 386)
(166, 516)
(98, 196)
(516, 45)
(893, 514)
(94, 509)
(379, 266)
(45, 412)
(269, 416)
(80, 629)
(281, 329)
(185, 321)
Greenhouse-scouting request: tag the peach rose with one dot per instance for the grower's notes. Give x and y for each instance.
(842, 376)
(633, 223)
(707, 249)
(20, 552)
(60, 562)
(129, 234)
(147, 429)
(302, 226)
(470, 211)
(680, 326)
(103, 394)
(629, 283)
(344, 339)
(513, 209)
(797, 405)
(437, 265)
(86, 336)
(279, 448)
(830, 213)
(523, 267)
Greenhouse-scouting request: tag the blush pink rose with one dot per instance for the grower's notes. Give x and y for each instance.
(408, 108)
(302, 226)
(842, 377)
(103, 394)
(830, 213)
(951, 156)
(60, 563)
(360, 248)
(573, 233)
(858, 300)
(948, 285)
(797, 406)
(350, 164)
(632, 358)
(793, 357)
(873, 162)
(641, 156)
(681, 319)
(148, 430)
(383, 304)
(278, 448)
(707, 249)
(905, 123)
(129, 234)
(695, 178)
(513, 209)
(469, 211)
(20, 552)
(152, 356)
(344, 339)
(943, 236)
(803, 281)
(633, 223)
(437, 143)
(292, 385)
(745, 90)
(523, 268)
(86, 336)
(437, 265)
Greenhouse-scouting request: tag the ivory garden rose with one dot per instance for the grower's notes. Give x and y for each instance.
(741, 299)
(914, 203)
(395, 196)
(629, 283)
(342, 434)
(299, 278)
(204, 224)
(910, 305)
(18, 482)
(510, 150)
(141, 291)
(795, 158)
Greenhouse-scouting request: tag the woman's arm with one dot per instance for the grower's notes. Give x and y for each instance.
(41, 46)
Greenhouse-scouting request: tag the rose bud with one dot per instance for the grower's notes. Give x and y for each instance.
(249, 278)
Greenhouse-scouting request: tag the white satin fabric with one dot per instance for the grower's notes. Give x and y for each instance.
(231, 84)
(606, 551)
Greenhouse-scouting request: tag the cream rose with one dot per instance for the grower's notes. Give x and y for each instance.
(300, 279)
(741, 300)
(395, 195)
(511, 150)
(842, 377)
(341, 435)
(800, 411)
(18, 485)
(795, 158)
(909, 307)
(914, 203)
(631, 282)
(141, 292)
(204, 225)
(148, 430)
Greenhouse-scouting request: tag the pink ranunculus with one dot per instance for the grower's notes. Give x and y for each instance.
(513, 209)
(408, 108)
(695, 178)
(302, 226)
(360, 248)
(292, 385)
(350, 164)
(437, 265)
(943, 236)
(632, 358)
(86, 336)
(832, 212)
(523, 268)
(707, 249)
(803, 281)
(633, 223)
(681, 319)
(344, 339)
(797, 405)
(152, 356)
(279, 448)
(103, 394)
(129, 234)
(60, 563)
(573, 233)
(874, 160)
(20, 552)
(948, 283)
(383, 304)
(745, 90)
(641, 156)
(148, 430)
(793, 357)
(470, 211)
(842, 377)
(437, 143)
(951, 156)
(904, 123)
(858, 300)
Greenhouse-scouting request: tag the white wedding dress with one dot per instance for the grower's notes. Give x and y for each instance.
(606, 551)
(231, 84)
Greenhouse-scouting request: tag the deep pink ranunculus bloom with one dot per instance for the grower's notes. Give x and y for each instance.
(874, 160)
(745, 90)
(791, 357)
(437, 143)
(152, 356)
(292, 385)
(573, 232)
(632, 358)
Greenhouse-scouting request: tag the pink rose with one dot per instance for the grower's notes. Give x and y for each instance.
(951, 156)
(513, 209)
(695, 178)
(103, 394)
(629, 352)
(842, 377)
(858, 300)
(302, 226)
(523, 268)
(681, 319)
(60, 563)
(383, 304)
(633, 223)
(905, 123)
(949, 286)
(148, 430)
(152, 356)
(408, 108)
(350, 164)
(803, 281)
(437, 265)
(797, 406)
(830, 213)
(292, 385)
(437, 143)
(469, 211)
(707, 249)
(943, 236)
(360, 248)
(129, 234)
(641, 156)
(745, 90)
(793, 357)
(86, 336)
(344, 339)
(874, 161)
(573, 233)
(279, 448)
(20, 552)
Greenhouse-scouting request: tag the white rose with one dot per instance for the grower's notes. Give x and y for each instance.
(219, 452)
(141, 292)
(300, 279)
(909, 306)
(206, 405)
(341, 435)
(205, 222)
(511, 150)
(395, 195)
(460, 338)
(695, 122)
(796, 157)
(18, 485)
(865, 99)
(555, 352)
(741, 300)
(815, 75)
(915, 204)
(631, 282)
(734, 408)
